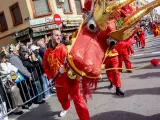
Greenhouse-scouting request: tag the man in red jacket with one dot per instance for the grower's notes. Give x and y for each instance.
(54, 62)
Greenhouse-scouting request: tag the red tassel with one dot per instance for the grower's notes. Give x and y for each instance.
(155, 62)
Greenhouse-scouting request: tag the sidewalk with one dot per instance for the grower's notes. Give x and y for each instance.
(26, 111)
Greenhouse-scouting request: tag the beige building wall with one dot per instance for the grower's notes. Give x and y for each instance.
(57, 10)
(4, 6)
(27, 11)
(7, 40)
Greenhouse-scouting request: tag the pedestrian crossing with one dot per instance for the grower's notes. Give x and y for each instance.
(152, 47)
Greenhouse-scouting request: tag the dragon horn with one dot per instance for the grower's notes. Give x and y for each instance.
(118, 4)
(133, 18)
(101, 15)
(91, 13)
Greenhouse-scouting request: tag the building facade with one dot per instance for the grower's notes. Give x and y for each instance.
(21, 20)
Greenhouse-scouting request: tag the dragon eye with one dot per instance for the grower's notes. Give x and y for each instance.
(92, 27)
(111, 41)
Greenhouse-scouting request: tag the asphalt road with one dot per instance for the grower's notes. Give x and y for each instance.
(142, 94)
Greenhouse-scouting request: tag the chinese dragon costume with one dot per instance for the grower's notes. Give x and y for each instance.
(83, 60)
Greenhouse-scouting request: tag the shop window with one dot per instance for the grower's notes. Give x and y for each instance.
(16, 14)
(67, 7)
(3, 22)
(78, 6)
(41, 7)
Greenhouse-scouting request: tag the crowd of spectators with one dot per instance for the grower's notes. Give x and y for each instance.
(23, 81)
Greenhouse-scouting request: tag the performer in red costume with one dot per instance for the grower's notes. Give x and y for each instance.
(142, 37)
(124, 49)
(155, 29)
(112, 61)
(130, 44)
(54, 62)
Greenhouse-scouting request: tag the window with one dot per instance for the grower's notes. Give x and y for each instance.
(16, 14)
(67, 7)
(78, 6)
(41, 7)
(3, 23)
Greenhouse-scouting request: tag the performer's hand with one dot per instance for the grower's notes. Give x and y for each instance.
(50, 83)
(45, 74)
(65, 60)
(30, 78)
(103, 66)
(61, 69)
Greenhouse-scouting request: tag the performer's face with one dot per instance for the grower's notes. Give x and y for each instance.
(56, 37)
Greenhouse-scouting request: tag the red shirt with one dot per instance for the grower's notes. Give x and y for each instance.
(53, 58)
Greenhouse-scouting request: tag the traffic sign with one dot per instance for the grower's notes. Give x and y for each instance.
(57, 19)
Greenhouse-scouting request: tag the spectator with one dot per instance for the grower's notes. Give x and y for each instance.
(42, 46)
(43, 78)
(67, 40)
(10, 85)
(15, 59)
(3, 101)
(32, 65)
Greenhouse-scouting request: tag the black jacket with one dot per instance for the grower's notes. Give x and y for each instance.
(33, 67)
(41, 52)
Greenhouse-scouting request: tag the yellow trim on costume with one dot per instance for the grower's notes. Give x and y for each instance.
(110, 54)
(74, 67)
(83, 74)
(71, 75)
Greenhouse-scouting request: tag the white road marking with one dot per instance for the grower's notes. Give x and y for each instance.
(147, 53)
(155, 52)
(138, 55)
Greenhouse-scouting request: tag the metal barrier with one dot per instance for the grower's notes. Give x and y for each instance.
(26, 92)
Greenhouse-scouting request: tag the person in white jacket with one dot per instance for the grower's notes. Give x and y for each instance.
(7, 68)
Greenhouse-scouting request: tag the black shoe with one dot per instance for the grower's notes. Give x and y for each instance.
(29, 104)
(25, 107)
(110, 86)
(129, 71)
(119, 92)
(43, 101)
(19, 113)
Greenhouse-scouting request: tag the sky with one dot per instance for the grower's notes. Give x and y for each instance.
(158, 8)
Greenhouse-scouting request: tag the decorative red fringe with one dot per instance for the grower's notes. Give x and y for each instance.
(88, 85)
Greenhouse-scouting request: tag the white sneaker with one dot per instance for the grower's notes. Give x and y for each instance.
(63, 113)
(54, 88)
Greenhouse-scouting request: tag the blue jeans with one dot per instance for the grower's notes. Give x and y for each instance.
(45, 85)
(37, 90)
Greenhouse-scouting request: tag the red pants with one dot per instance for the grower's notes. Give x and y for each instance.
(113, 75)
(143, 43)
(70, 88)
(124, 57)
